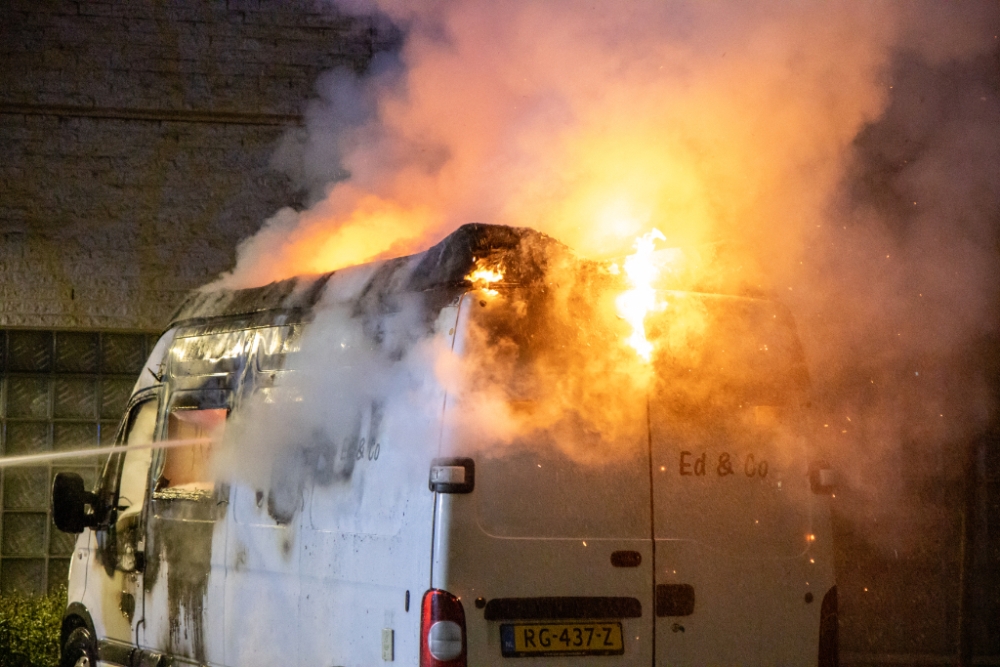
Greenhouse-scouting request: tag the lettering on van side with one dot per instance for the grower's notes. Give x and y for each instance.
(689, 466)
(360, 450)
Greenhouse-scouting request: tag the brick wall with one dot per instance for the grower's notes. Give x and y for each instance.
(240, 56)
(106, 222)
(135, 138)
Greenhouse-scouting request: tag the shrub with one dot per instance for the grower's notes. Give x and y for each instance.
(29, 629)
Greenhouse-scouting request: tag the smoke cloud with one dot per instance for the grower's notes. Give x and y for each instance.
(839, 157)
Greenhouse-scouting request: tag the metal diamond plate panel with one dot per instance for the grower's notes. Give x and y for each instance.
(24, 534)
(58, 574)
(28, 397)
(25, 576)
(123, 353)
(114, 397)
(29, 351)
(63, 390)
(109, 430)
(26, 437)
(76, 352)
(74, 436)
(74, 398)
(26, 488)
(60, 543)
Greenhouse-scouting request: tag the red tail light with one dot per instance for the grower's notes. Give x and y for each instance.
(442, 630)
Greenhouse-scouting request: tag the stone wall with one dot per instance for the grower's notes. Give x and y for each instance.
(135, 139)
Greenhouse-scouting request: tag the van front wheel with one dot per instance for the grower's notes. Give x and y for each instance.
(79, 650)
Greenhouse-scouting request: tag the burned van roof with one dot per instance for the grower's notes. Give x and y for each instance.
(523, 252)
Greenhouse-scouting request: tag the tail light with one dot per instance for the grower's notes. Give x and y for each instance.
(829, 639)
(442, 630)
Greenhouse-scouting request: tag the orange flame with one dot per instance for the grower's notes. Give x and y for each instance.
(485, 275)
(634, 304)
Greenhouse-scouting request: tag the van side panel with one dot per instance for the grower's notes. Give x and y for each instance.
(328, 561)
(262, 583)
(367, 524)
(356, 586)
(184, 600)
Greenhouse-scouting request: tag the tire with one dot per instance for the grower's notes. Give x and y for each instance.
(80, 650)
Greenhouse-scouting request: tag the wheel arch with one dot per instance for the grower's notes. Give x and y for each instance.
(76, 616)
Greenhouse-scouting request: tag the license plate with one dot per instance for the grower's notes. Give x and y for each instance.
(527, 639)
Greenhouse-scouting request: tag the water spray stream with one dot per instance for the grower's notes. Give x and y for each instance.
(28, 459)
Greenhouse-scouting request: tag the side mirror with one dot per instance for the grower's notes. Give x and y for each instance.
(70, 501)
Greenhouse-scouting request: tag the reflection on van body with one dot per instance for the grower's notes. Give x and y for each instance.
(393, 466)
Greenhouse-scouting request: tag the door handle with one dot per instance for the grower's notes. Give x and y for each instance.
(626, 558)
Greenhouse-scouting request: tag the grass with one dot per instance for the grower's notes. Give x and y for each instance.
(29, 629)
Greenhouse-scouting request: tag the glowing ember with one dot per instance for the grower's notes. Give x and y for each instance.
(484, 275)
(634, 304)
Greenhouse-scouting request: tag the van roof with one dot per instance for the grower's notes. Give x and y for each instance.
(524, 253)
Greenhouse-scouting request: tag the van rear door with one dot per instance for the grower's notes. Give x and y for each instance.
(550, 553)
(736, 580)
(551, 557)
(741, 567)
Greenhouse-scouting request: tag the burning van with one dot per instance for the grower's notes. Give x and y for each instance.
(452, 459)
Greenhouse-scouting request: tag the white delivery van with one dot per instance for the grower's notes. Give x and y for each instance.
(392, 464)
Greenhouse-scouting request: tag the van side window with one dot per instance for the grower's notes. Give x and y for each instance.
(123, 487)
(135, 469)
(125, 473)
(275, 345)
(186, 467)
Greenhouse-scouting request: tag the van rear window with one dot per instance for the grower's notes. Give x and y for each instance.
(726, 350)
